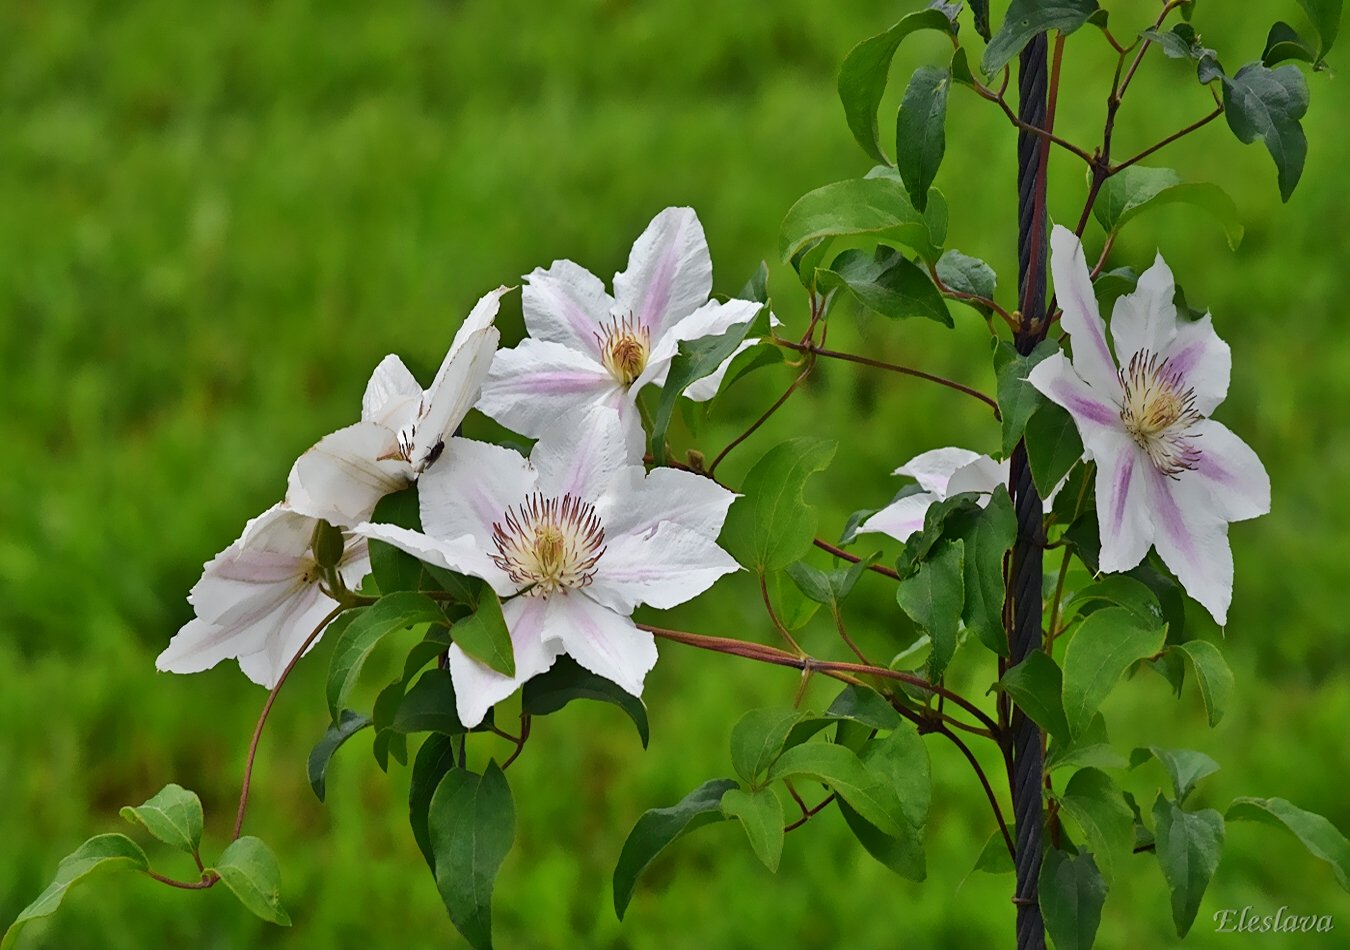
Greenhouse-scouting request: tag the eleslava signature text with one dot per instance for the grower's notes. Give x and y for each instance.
(1247, 920)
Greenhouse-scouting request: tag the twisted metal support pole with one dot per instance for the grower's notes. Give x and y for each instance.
(1024, 580)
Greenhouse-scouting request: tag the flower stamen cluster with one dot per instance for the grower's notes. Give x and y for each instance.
(625, 345)
(1158, 411)
(549, 544)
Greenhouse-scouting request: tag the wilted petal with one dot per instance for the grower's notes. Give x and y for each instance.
(1096, 416)
(602, 641)
(934, 468)
(470, 489)
(663, 567)
(901, 518)
(393, 397)
(1238, 484)
(535, 645)
(530, 386)
(584, 452)
(1123, 514)
(1192, 539)
(462, 555)
(666, 494)
(1203, 361)
(566, 304)
(342, 477)
(669, 273)
(1147, 318)
(1082, 319)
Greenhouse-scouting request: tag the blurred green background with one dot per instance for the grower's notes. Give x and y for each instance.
(216, 218)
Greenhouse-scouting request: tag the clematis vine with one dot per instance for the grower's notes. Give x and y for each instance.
(1168, 476)
(402, 430)
(587, 348)
(940, 473)
(259, 600)
(573, 539)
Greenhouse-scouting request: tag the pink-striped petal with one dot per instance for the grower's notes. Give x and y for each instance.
(1123, 514)
(1192, 539)
(603, 641)
(669, 273)
(566, 304)
(535, 645)
(530, 386)
(1238, 484)
(1082, 319)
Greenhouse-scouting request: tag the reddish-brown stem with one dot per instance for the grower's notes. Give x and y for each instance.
(1181, 133)
(881, 569)
(768, 413)
(1045, 134)
(266, 710)
(809, 813)
(520, 742)
(988, 788)
(207, 881)
(843, 635)
(773, 616)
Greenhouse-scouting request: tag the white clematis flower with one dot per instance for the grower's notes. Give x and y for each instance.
(941, 473)
(572, 539)
(1168, 476)
(402, 429)
(259, 599)
(586, 348)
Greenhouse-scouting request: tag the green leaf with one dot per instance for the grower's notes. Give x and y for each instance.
(921, 131)
(1119, 590)
(1131, 192)
(830, 588)
(1182, 42)
(1017, 398)
(436, 758)
(395, 569)
(757, 739)
(1321, 838)
(1283, 43)
(980, 10)
(1025, 19)
(987, 534)
(968, 275)
(886, 284)
(368, 626)
(862, 77)
(902, 853)
(874, 207)
(1053, 446)
(1188, 846)
(1211, 672)
(1326, 20)
(1072, 895)
(794, 608)
(1266, 104)
(1108, 643)
(1035, 685)
(1098, 807)
(173, 815)
(483, 634)
(771, 525)
(1092, 748)
(994, 857)
(1184, 767)
(472, 823)
(842, 770)
(900, 762)
(695, 360)
(429, 707)
(249, 869)
(660, 827)
(100, 853)
(934, 598)
(761, 815)
(567, 680)
(867, 706)
(349, 723)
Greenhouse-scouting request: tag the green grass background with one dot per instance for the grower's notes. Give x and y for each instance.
(215, 218)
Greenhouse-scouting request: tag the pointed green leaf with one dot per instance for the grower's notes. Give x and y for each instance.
(885, 283)
(1267, 104)
(173, 815)
(367, 627)
(483, 634)
(867, 706)
(1188, 847)
(1185, 767)
(899, 760)
(436, 757)
(967, 275)
(1025, 19)
(1131, 192)
(1108, 643)
(349, 724)
(1053, 446)
(567, 680)
(1326, 20)
(1119, 590)
(429, 707)
(921, 131)
(934, 598)
(660, 827)
(1211, 672)
(100, 853)
(1321, 838)
(987, 535)
(472, 824)
(994, 857)
(771, 525)
(393, 568)
(875, 207)
(843, 771)
(903, 852)
(761, 815)
(1035, 685)
(1072, 894)
(757, 739)
(1283, 44)
(1095, 802)
(249, 869)
(1017, 398)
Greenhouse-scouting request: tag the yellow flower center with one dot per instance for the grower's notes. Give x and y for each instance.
(1158, 411)
(548, 545)
(624, 347)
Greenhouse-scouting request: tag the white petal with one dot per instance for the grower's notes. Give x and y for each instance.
(533, 384)
(1204, 362)
(982, 475)
(665, 494)
(602, 641)
(701, 390)
(1238, 484)
(584, 452)
(902, 518)
(293, 626)
(533, 642)
(1192, 539)
(1096, 416)
(669, 273)
(664, 567)
(392, 396)
(1123, 514)
(714, 318)
(470, 489)
(1147, 318)
(480, 318)
(355, 563)
(462, 555)
(566, 304)
(280, 529)
(934, 468)
(453, 394)
(1082, 319)
(342, 477)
